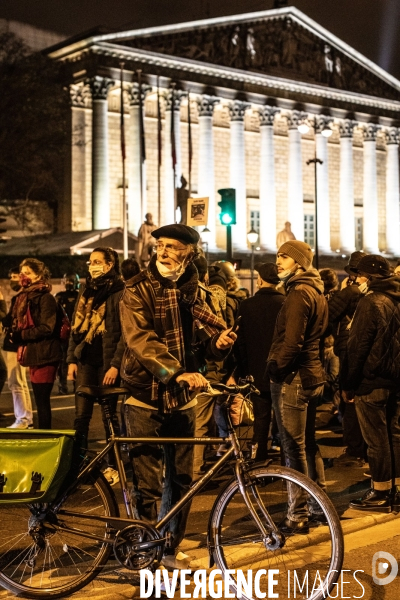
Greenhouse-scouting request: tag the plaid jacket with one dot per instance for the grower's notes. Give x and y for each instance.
(152, 328)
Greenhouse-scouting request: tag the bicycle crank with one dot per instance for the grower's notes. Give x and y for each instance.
(138, 546)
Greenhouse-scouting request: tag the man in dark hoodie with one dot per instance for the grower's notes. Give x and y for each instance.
(294, 361)
(372, 379)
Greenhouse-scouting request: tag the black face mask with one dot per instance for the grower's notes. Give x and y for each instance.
(15, 286)
(69, 287)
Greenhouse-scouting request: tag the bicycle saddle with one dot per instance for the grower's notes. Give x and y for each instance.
(99, 392)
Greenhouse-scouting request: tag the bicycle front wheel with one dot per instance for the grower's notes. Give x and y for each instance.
(40, 557)
(308, 564)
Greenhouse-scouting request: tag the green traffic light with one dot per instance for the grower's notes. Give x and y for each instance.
(226, 219)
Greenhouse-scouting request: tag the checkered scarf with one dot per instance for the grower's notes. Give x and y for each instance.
(168, 320)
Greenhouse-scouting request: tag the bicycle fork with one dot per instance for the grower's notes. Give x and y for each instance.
(272, 538)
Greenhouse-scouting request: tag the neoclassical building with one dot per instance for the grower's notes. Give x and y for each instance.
(247, 82)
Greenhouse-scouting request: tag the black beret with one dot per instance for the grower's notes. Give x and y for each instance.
(176, 231)
(268, 272)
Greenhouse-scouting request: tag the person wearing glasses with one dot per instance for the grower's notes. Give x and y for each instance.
(169, 332)
(95, 346)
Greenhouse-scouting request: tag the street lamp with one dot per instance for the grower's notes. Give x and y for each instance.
(205, 238)
(252, 238)
(326, 132)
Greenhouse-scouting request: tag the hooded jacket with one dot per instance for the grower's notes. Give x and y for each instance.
(300, 325)
(373, 349)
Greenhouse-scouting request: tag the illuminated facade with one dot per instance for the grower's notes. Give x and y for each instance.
(252, 80)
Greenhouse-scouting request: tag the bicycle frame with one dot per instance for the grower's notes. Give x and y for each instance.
(114, 443)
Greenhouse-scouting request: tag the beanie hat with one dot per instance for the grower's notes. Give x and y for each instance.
(299, 251)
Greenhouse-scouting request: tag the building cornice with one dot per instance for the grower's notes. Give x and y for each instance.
(223, 73)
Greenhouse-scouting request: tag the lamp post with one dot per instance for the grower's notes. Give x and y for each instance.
(326, 131)
(205, 237)
(252, 238)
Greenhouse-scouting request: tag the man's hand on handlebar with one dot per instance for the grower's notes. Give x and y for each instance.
(195, 381)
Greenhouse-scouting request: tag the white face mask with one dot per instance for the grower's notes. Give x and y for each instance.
(172, 274)
(96, 271)
(363, 287)
(284, 275)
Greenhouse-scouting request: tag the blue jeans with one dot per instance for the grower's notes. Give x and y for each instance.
(379, 417)
(147, 464)
(295, 409)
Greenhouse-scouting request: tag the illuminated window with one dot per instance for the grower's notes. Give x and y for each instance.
(309, 233)
(255, 220)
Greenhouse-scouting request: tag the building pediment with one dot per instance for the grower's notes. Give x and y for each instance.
(283, 43)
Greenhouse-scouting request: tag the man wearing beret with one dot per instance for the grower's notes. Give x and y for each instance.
(294, 361)
(372, 379)
(169, 332)
(255, 335)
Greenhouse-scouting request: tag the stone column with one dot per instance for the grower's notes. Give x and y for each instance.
(392, 192)
(173, 103)
(75, 212)
(206, 186)
(295, 174)
(237, 172)
(370, 221)
(346, 189)
(323, 209)
(268, 226)
(100, 168)
(136, 171)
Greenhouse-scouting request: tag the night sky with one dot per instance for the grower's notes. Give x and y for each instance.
(370, 26)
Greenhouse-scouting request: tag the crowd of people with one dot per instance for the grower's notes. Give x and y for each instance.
(169, 327)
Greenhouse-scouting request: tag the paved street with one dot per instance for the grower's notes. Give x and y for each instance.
(365, 534)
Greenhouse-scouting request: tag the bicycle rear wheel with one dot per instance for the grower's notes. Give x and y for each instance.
(305, 562)
(38, 559)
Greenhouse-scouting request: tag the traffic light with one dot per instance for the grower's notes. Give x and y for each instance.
(227, 215)
(2, 240)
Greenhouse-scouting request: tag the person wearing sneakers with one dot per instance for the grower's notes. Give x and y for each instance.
(294, 362)
(372, 379)
(16, 373)
(169, 332)
(341, 309)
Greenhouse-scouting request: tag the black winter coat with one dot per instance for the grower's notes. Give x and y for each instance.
(341, 309)
(373, 349)
(42, 342)
(300, 325)
(255, 334)
(113, 343)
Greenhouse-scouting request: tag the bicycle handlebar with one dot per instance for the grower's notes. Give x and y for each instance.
(233, 389)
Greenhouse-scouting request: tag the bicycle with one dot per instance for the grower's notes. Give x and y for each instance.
(52, 550)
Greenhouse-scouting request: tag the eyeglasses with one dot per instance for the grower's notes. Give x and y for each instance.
(169, 248)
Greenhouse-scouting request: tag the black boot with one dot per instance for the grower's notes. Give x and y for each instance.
(396, 499)
(374, 501)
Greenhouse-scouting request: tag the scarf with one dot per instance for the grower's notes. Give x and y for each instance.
(21, 318)
(89, 319)
(169, 298)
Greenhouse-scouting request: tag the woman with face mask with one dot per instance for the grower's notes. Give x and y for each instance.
(34, 330)
(96, 347)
